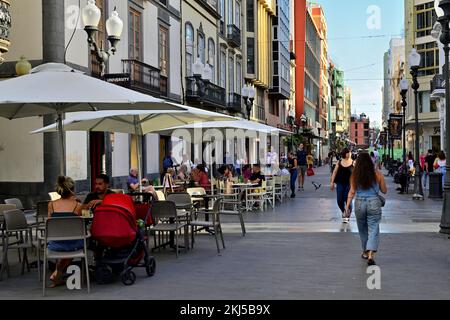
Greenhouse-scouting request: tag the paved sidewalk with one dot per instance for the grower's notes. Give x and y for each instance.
(300, 250)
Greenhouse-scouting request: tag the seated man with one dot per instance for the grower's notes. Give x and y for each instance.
(133, 183)
(101, 190)
(257, 176)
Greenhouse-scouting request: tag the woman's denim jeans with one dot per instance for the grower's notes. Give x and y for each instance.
(294, 174)
(342, 191)
(368, 217)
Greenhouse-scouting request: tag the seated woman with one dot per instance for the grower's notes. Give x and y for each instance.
(247, 172)
(202, 178)
(225, 173)
(65, 207)
(182, 173)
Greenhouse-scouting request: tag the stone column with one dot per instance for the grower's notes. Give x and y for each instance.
(53, 51)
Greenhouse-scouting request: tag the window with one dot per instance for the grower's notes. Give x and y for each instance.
(250, 16)
(238, 76)
(230, 11)
(201, 46)
(425, 19)
(222, 16)
(189, 48)
(433, 106)
(223, 68)
(237, 12)
(429, 53)
(134, 51)
(163, 51)
(212, 58)
(231, 74)
(251, 55)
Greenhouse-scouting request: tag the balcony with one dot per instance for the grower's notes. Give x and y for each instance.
(140, 77)
(260, 113)
(234, 102)
(233, 36)
(210, 6)
(214, 96)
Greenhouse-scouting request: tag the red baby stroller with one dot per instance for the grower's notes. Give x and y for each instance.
(123, 243)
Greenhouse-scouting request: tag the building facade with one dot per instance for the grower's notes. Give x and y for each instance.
(360, 131)
(420, 18)
(148, 54)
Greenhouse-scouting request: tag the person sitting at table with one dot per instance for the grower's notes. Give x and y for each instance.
(66, 206)
(133, 183)
(225, 173)
(202, 177)
(101, 190)
(257, 177)
(247, 172)
(183, 173)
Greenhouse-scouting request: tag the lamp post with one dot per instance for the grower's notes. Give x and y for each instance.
(414, 64)
(248, 94)
(403, 92)
(91, 15)
(443, 13)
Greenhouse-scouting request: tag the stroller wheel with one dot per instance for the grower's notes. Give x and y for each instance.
(128, 277)
(150, 268)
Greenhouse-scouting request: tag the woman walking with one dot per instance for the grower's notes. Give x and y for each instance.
(439, 165)
(366, 183)
(341, 177)
(293, 170)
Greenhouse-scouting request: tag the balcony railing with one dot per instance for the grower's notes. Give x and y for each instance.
(140, 77)
(437, 82)
(233, 35)
(235, 102)
(213, 96)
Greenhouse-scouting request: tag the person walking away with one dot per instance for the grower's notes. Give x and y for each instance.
(341, 177)
(365, 184)
(293, 170)
(439, 165)
(302, 165)
(429, 166)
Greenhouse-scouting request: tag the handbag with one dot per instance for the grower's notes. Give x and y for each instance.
(381, 198)
(310, 172)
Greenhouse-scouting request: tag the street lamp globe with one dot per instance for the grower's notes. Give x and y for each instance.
(114, 25)
(244, 91)
(439, 11)
(414, 58)
(404, 85)
(198, 68)
(91, 15)
(251, 92)
(207, 73)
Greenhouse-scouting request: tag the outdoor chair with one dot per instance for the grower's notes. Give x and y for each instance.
(41, 215)
(235, 207)
(160, 195)
(183, 203)
(196, 194)
(286, 185)
(269, 195)
(278, 188)
(165, 219)
(18, 204)
(120, 191)
(210, 223)
(15, 225)
(257, 195)
(61, 229)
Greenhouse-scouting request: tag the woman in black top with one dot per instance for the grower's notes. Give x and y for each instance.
(341, 177)
(292, 165)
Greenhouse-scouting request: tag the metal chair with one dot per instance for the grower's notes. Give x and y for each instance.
(278, 188)
(54, 196)
(183, 203)
(15, 224)
(62, 229)
(120, 191)
(211, 223)
(235, 207)
(18, 204)
(269, 195)
(257, 195)
(160, 195)
(165, 219)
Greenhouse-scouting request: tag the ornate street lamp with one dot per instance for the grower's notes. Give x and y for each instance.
(443, 13)
(248, 94)
(403, 91)
(91, 15)
(414, 64)
(5, 26)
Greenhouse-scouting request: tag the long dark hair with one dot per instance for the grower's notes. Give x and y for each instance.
(363, 175)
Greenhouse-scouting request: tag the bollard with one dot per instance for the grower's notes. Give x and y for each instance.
(435, 183)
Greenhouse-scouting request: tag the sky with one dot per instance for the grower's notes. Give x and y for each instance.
(359, 32)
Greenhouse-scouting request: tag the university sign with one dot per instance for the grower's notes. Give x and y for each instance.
(5, 27)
